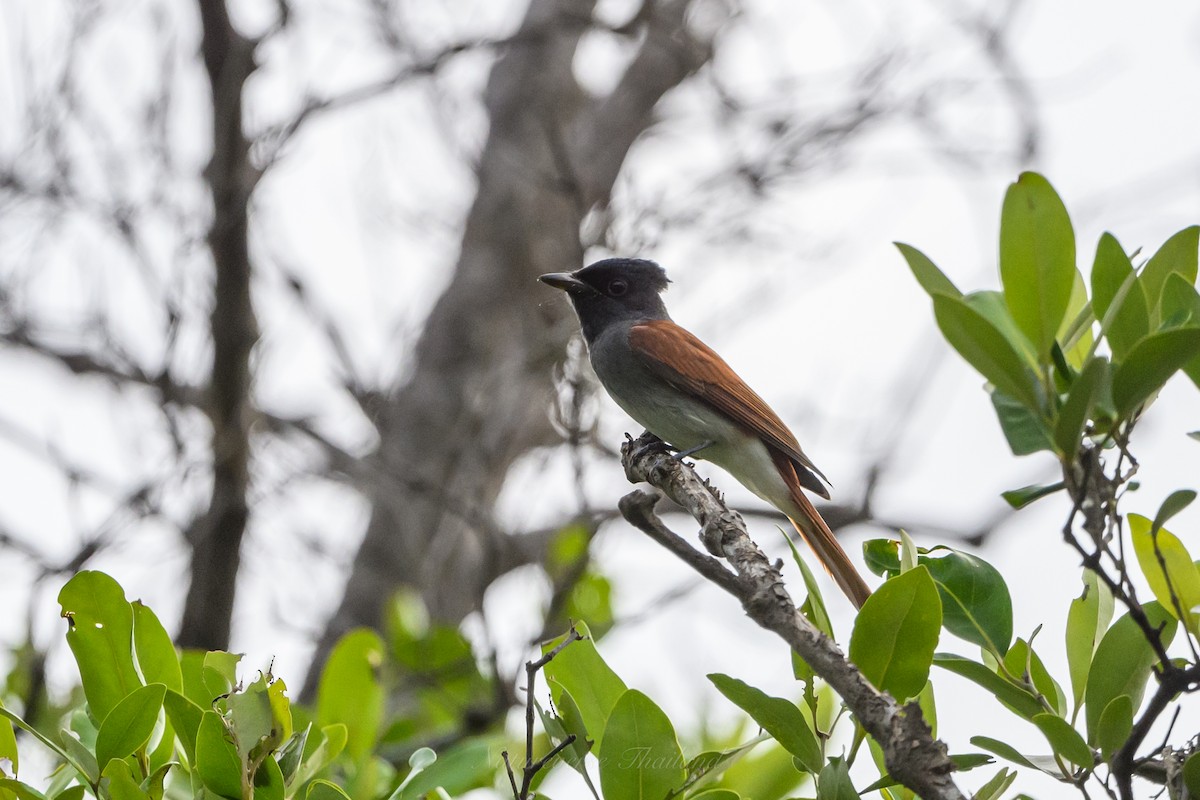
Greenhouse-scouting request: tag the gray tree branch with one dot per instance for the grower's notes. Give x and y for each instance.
(913, 756)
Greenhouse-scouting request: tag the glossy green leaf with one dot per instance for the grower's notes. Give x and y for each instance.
(156, 655)
(834, 782)
(20, 790)
(1118, 297)
(712, 763)
(932, 279)
(1114, 726)
(1149, 365)
(1037, 258)
(569, 721)
(985, 348)
(1168, 568)
(121, 783)
(127, 728)
(1024, 430)
(1176, 256)
(185, 717)
(325, 790)
(1087, 620)
(259, 717)
(580, 671)
(1065, 740)
(640, 758)
(1077, 410)
(1019, 498)
(350, 693)
(78, 792)
(1011, 695)
(976, 604)
(36, 734)
(291, 753)
(896, 632)
(100, 635)
(716, 794)
(1122, 663)
(1181, 303)
(778, 717)
(217, 761)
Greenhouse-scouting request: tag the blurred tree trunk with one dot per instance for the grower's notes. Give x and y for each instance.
(481, 389)
(216, 535)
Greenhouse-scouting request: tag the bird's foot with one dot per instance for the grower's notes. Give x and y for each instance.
(644, 445)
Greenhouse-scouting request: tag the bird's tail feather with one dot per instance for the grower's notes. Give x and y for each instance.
(820, 538)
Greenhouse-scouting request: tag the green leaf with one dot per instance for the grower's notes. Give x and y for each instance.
(560, 727)
(896, 632)
(1176, 501)
(778, 717)
(350, 693)
(1003, 750)
(259, 717)
(328, 745)
(991, 305)
(834, 782)
(81, 755)
(22, 791)
(985, 348)
(932, 279)
(325, 790)
(127, 728)
(1065, 740)
(1149, 365)
(818, 615)
(36, 734)
(1176, 256)
(8, 749)
(1115, 725)
(466, 766)
(185, 717)
(716, 794)
(1019, 498)
(1015, 697)
(1118, 297)
(997, 786)
(219, 674)
(1022, 661)
(1122, 664)
(1075, 333)
(156, 655)
(1077, 410)
(1087, 621)
(1024, 430)
(1037, 258)
(1191, 774)
(292, 753)
(217, 761)
(121, 783)
(580, 671)
(976, 604)
(100, 634)
(1180, 580)
(268, 780)
(640, 757)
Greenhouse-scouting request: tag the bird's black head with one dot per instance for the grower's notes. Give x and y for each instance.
(613, 290)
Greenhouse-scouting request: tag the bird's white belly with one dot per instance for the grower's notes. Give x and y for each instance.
(685, 423)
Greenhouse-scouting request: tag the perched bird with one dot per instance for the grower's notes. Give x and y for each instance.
(685, 394)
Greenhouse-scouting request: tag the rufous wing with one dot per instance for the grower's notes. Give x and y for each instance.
(681, 359)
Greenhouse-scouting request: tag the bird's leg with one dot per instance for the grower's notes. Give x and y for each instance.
(646, 443)
(682, 454)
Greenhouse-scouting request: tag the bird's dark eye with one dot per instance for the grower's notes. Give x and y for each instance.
(617, 287)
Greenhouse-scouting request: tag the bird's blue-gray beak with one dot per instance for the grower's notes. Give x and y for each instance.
(567, 282)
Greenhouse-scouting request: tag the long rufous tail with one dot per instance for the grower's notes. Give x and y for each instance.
(820, 538)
